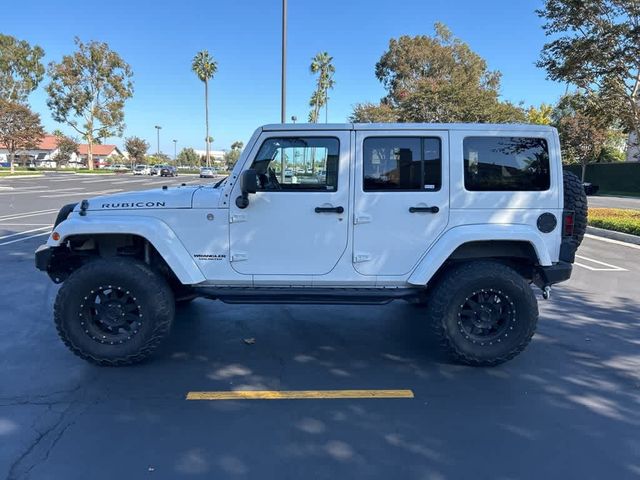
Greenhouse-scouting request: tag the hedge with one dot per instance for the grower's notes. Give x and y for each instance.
(626, 221)
(613, 178)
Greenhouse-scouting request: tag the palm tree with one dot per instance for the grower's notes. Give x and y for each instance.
(321, 64)
(205, 67)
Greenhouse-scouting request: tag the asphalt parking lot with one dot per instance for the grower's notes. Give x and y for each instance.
(568, 407)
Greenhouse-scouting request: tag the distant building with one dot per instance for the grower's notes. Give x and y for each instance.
(102, 155)
(44, 154)
(217, 156)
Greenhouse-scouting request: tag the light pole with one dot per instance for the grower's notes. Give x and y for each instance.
(175, 145)
(283, 100)
(158, 127)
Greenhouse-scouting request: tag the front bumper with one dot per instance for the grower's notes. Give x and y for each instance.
(43, 257)
(556, 273)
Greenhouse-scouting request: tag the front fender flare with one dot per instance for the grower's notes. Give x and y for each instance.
(155, 231)
(453, 238)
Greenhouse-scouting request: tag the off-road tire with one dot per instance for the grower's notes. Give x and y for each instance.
(456, 285)
(154, 305)
(575, 199)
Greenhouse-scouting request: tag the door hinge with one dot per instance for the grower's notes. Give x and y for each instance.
(239, 257)
(361, 257)
(238, 218)
(360, 219)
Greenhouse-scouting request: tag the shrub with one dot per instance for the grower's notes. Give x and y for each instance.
(626, 221)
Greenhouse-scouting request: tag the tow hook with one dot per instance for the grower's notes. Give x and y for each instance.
(546, 292)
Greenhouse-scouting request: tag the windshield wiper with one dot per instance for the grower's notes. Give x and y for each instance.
(219, 182)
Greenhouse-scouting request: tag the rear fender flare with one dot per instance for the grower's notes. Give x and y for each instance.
(453, 238)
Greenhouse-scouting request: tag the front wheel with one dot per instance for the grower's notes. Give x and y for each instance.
(484, 311)
(114, 311)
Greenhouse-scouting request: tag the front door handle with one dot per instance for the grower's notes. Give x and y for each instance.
(424, 209)
(329, 210)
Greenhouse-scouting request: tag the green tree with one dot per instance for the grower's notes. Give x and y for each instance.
(67, 148)
(137, 149)
(540, 115)
(88, 91)
(20, 128)
(21, 69)
(232, 156)
(321, 65)
(205, 67)
(583, 126)
(188, 156)
(438, 79)
(596, 46)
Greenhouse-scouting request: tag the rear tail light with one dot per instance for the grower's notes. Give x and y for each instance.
(567, 223)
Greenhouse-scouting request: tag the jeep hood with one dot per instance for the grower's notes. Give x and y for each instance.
(159, 198)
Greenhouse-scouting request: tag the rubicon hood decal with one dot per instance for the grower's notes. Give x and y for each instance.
(177, 197)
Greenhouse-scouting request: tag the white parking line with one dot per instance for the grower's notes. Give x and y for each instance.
(35, 213)
(611, 240)
(2, 224)
(609, 267)
(130, 181)
(89, 194)
(25, 238)
(3, 194)
(17, 234)
(97, 181)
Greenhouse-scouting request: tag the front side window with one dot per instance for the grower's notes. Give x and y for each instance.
(402, 163)
(298, 164)
(506, 164)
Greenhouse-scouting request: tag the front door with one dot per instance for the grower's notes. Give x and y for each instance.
(296, 224)
(401, 198)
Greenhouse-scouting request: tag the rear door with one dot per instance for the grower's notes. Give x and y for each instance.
(401, 198)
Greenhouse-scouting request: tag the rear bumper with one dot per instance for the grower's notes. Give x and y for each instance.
(556, 273)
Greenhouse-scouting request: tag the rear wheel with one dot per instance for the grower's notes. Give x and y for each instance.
(484, 312)
(114, 311)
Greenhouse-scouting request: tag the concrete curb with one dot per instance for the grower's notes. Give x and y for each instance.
(621, 237)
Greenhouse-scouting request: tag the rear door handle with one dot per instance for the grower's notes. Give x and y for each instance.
(330, 209)
(424, 209)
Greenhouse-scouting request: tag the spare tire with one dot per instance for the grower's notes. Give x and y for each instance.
(575, 200)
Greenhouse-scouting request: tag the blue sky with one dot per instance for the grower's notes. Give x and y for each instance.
(159, 38)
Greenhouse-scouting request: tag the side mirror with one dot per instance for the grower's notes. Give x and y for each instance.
(248, 184)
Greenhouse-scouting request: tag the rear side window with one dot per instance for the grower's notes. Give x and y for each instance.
(402, 163)
(506, 164)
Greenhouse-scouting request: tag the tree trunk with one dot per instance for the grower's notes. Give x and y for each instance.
(12, 158)
(326, 106)
(584, 170)
(206, 115)
(90, 154)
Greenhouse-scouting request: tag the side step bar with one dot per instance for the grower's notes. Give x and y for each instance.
(308, 295)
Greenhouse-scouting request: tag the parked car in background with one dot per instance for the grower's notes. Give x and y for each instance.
(142, 170)
(168, 171)
(155, 170)
(590, 188)
(120, 168)
(207, 172)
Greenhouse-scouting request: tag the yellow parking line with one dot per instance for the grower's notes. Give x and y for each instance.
(297, 394)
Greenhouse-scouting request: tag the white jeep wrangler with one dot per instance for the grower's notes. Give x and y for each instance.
(461, 218)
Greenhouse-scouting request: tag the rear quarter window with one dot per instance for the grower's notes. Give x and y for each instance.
(506, 164)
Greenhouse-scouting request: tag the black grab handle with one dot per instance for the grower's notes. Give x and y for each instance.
(329, 209)
(424, 209)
